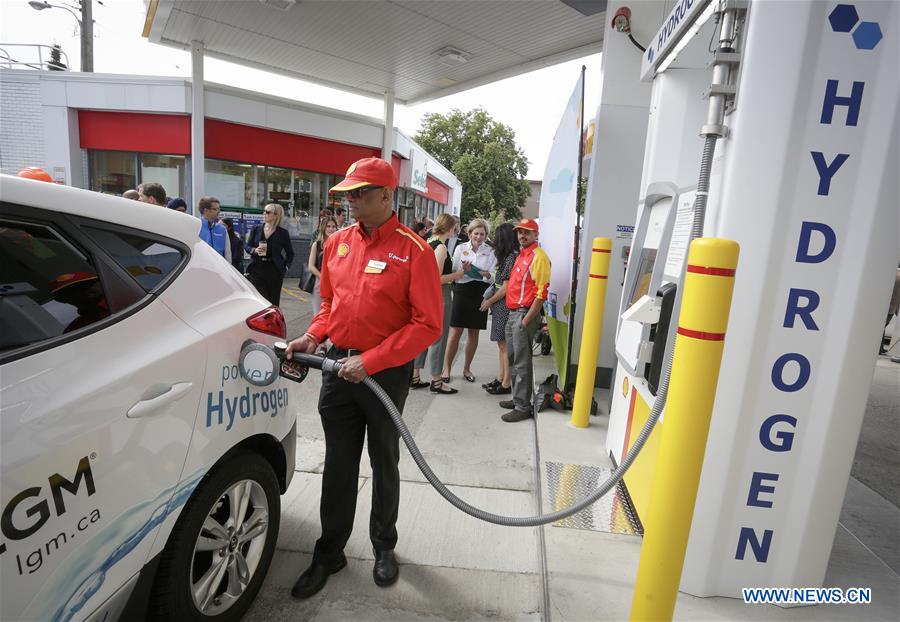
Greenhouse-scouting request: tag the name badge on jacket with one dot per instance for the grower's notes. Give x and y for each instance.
(375, 267)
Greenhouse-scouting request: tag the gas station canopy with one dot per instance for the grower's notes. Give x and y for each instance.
(419, 49)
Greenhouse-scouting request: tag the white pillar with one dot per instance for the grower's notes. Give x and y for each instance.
(616, 167)
(198, 151)
(387, 145)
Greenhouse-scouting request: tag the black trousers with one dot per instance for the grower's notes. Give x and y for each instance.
(267, 280)
(348, 412)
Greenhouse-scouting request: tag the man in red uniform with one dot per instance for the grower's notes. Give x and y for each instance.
(381, 306)
(526, 292)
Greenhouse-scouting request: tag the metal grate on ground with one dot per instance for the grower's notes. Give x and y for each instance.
(613, 513)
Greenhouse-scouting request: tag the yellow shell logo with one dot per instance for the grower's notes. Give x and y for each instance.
(343, 249)
(625, 387)
(350, 170)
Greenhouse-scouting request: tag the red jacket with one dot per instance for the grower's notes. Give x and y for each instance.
(530, 278)
(380, 294)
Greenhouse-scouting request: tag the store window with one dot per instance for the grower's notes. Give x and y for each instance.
(278, 188)
(247, 188)
(114, 172)
(236, 185)
(314, 197)
(303, 195)
(167, 170)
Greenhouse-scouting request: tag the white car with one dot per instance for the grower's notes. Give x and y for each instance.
(140, 472)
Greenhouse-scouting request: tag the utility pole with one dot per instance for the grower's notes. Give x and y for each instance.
(87, 36)
(85, 24)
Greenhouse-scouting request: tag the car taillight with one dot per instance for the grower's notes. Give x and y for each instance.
(269, 321)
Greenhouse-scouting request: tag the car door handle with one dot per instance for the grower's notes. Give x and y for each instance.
(146, 407)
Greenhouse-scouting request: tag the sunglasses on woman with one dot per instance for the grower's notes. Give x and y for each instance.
(358, 192)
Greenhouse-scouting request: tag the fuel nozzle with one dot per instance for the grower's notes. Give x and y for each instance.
(290, 369)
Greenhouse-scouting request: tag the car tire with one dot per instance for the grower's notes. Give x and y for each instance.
(191, 583)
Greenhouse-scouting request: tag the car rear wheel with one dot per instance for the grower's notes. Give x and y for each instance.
(221, 547)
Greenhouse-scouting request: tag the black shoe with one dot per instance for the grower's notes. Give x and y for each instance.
(438, 387)
(315, 577)
(386, 570)
(516, 415)
(417, 383)
(499, 390)
(493, 383)
(507, 404)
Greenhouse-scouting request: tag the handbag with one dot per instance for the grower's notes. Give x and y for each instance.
(309, 283)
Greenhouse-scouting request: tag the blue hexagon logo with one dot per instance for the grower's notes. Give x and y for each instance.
(867, 35)
(843, 18)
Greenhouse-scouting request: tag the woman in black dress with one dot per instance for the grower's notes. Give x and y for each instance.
(477, 262)
(271, 254)
(506, 248)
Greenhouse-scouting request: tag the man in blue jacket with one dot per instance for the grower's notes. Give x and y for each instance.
(212, 231)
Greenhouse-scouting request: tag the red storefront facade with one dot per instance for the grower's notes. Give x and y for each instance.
(246, 166)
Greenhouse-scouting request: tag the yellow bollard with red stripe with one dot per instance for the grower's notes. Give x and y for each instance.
(706, 303)
(591, 332)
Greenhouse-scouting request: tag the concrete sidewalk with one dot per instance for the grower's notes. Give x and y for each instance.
(454, 567)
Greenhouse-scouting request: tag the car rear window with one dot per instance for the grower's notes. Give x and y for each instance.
(47, 286)
(148, 261)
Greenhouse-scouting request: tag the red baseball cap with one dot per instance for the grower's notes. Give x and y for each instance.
(367, 172)
(33, 172)
(528, 224)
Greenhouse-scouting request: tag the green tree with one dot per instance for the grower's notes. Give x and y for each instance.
(484, 156)
(56, 63)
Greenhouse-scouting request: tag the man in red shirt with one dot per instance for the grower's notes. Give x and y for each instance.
(381, 306)
(526, 292)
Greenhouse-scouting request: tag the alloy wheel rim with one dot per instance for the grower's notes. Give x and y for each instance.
(229, 547)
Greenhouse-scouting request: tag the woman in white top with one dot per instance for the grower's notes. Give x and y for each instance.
(477, 261)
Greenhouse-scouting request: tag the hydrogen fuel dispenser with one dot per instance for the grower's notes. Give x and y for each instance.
(804, 178)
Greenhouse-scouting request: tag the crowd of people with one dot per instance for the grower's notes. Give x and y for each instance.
(505, 274)
(475, 270)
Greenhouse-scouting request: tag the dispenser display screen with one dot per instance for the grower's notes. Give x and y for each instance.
(645, 272)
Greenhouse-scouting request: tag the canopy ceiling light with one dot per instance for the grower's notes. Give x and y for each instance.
(283, 5)
(452, 57)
